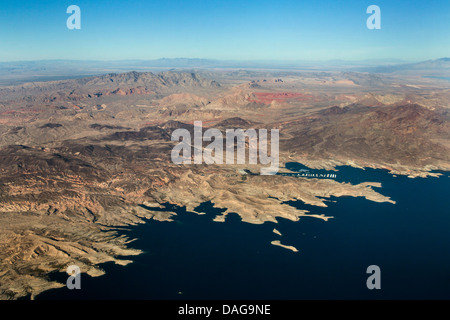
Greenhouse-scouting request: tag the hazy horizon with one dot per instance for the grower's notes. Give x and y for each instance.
(234, 30)
(374, 60)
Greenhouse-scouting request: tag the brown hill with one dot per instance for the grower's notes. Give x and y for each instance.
(110, 84)
(235, 122)
(405, 134)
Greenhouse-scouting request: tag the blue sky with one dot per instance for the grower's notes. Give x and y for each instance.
(228, 29)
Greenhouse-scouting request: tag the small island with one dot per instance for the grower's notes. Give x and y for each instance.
(278, 243)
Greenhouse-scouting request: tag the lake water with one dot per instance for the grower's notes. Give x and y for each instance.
(194, 257)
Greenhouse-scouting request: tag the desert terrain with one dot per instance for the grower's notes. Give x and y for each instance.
(80, 157)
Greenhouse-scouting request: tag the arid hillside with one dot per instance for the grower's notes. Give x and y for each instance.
(79, 157)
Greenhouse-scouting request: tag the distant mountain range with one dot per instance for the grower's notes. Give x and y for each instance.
(121, 84)
(441, 66)
(43, 70)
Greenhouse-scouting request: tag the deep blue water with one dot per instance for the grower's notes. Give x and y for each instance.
(197, 258)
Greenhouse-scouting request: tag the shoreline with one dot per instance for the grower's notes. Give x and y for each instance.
(279, 244)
